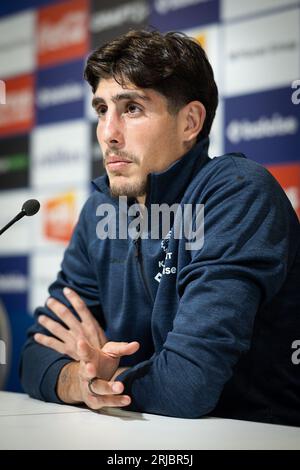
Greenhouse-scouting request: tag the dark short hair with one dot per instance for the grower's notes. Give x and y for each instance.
(172, 64)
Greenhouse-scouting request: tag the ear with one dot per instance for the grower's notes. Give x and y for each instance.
(194, 114)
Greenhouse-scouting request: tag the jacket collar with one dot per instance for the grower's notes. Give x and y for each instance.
(169, 185)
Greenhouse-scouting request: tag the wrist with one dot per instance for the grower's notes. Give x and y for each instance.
(68, 389)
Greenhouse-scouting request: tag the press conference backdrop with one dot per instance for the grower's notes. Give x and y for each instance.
(48, 147)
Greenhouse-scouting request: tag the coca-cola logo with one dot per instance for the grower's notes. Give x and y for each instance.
(69, 30)
(19, 107)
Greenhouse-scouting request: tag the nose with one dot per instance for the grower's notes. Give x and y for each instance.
(111, 130)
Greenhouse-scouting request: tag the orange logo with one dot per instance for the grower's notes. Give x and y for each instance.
(17, 114)
(62, 32)
(201, 38)
(60, 217)
(288, 176)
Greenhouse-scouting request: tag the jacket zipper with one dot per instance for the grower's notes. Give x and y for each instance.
(139, 257)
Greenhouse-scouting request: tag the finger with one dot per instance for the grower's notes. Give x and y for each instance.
(53, 327)
(79, 305)
(96, 403)
(50, 342)
(64, 314)
(84, 313)
(102, 387)
(118, 349)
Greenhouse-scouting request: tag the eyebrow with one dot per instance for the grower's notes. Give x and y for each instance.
(132, 95)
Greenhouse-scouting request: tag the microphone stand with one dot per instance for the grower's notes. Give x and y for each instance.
(15, 219)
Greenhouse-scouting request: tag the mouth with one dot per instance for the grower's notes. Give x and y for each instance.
(117, 163)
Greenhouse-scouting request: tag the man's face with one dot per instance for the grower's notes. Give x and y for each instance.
(137, 135)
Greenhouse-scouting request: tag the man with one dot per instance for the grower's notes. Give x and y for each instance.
(157, 324)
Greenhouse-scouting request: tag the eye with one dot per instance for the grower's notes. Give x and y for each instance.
(132, 108)
(101, 110)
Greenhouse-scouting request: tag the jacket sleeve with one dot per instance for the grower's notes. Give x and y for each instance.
(242, 264)
(40, 366)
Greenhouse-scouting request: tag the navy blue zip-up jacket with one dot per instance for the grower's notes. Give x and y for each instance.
(217, 329)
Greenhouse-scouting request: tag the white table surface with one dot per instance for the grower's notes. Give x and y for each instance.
(26, 423)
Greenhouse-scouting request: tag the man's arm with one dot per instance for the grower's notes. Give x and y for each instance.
(94, 356)
(72, 386)
(242, 264)
(40, 366)
(69, 387)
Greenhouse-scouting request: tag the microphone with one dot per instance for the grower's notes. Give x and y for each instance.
(30, 207)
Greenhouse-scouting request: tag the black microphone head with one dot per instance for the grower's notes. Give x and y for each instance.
(31, 207)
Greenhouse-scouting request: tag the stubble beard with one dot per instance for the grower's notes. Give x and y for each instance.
(130, 190)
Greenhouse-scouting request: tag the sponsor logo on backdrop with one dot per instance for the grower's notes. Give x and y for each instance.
(296, 94)
(14, 162)
(59, 217)
(17, 115)
(17, 52)
(62, 32)
(111, 19)
(234, 9)
(265, 126)
(60, 207)
(131, 12)
(248, 53)
(13, 282)
(165, 6)
(181, 14)
(209, 37)
(2, 92)
(288, 176)
(60, 154)
(60, 93)
(41, 277)
(201, 38)
(13, 274)
(269, 60)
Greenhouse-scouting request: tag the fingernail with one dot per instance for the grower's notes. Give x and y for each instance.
(116, 388)
(67, 291)
(125, 401)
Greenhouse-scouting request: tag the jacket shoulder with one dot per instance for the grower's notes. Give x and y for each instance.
(232, 168)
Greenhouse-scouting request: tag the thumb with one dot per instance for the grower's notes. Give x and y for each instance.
(118, 349)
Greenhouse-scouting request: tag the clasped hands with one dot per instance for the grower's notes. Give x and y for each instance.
(93, 355)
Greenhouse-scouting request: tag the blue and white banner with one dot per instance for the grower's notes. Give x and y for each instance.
(60, 93)
(265, 126)
(168, 15)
